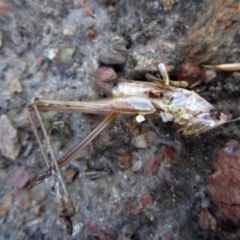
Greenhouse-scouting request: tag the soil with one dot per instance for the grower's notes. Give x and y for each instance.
(135, 180)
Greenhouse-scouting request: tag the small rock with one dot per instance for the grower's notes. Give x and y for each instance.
(189, 73)
(6, 203)
(207, 222)
(168, 5)
(88, 11)
(24, 199)
(98, 233)
(23, 47)
(38, 59)
(143, 202)
(124, 161)
(167, 175)
(64, 58)
(1, 39)
(151, 164)
(170, 155)
(148, 214)
(38, 209)
(166, 47)
(167, 235)
(114, 52)
(18, 179)
(110, 56)
(4, 7)
(90, 33)
(51, 53)
(223, 186)
(108, 1)
(105, 78)
(71, 175)
(137, 166)
(144, 140)
(14, 84)
(9, 145)
(68, 32)
(209, 75)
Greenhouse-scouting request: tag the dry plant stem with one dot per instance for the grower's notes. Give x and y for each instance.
(76, 149)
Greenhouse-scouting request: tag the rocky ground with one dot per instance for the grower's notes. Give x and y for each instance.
(136, 180)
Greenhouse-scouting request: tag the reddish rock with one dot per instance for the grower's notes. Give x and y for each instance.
(18, 179)
(4, 7)
(105, 78)
(223, 186)
(207, 221)
(167, 235)
(151, 164)
(189, 73)
(98, 233)
(144, 201)
(124, 161)
(170, 155)
(167, 175)
(88, 11)
(90, 33)
(137, 207)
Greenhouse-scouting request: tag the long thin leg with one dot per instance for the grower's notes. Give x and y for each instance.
(76, 149)
(68, 208)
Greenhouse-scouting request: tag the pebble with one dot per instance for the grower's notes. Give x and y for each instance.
(189, 73)
(14, 84)
(170, 155)
(124, 161)
(105, 78)
(24, 199)
(114, 52)
(18, 179)
(206, 221)
(88, 11)
(64, 58)
(71, 174)
(108, 1)
(166, 47)
(223, 186)
(9, 144)
(4, 7)
(6, 203)
(137, 166)
(68, 32)
(144, 140)
(151, 164)
(91, 33)
(1, 39)
(209, 75)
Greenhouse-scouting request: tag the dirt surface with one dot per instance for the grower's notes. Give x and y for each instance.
(136, 180)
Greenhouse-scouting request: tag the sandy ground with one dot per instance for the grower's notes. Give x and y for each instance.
(135, 181)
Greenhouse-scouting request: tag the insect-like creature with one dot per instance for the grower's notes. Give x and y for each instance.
(187, 109)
